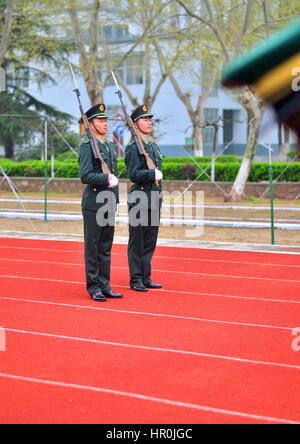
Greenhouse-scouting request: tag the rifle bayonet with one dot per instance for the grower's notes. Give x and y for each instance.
(92, 139)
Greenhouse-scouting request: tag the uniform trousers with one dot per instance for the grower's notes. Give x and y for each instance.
(98, 242)
(141, 247)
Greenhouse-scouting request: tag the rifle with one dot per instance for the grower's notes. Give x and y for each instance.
(136, 137)
(91, 137)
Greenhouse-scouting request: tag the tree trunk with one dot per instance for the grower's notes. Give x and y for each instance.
(254, 108)
(198, 141)
(286, 144)
(238, 188)
(94, 87)
(280, 143)
(88, 54)
(214, 151)
(9, 15)
(10, 149)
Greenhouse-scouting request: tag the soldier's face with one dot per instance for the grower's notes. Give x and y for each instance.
(145, 125)
(101, 125)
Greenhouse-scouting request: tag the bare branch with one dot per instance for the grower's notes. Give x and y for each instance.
(79, 39)
(266, 17)
(94, 28)
(244, 27)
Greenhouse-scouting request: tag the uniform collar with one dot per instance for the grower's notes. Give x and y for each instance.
(99, 140)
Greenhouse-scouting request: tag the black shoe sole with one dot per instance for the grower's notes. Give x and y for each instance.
(113, 297)
(154, 288)
(141, 290)
(98, 299)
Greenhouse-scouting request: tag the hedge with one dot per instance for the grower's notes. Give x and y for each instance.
(204, 159)
(173, 169)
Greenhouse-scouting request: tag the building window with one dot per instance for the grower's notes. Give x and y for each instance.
(115, 32)
(131, 71)
(227, 125)
(211, 115)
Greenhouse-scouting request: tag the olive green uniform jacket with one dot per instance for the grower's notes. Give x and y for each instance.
(97, 196)
(143, 237)
(91, 173)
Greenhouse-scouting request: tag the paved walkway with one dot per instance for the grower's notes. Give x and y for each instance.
(162, 242)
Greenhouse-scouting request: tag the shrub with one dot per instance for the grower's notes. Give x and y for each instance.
(172, 170)
(189, 171)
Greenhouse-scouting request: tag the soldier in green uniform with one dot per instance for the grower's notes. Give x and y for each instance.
(144, 202)
(99, 204)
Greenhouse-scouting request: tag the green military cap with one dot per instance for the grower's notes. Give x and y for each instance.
(271, 69)
(141, 111)
(251, 66)
(96, 112)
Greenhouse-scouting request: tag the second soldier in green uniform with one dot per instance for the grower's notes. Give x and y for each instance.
(99, 203)
(144, 202)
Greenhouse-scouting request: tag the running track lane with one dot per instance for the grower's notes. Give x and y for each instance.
(238, 387)
(185, 339)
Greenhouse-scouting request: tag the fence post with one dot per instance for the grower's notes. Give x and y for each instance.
(46, 170)
(271, 195)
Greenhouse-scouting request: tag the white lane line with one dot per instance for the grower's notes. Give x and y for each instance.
(147, 398)
(226, 296)
(156, 349)
(189, 273)
(163, 257)
(139, 313)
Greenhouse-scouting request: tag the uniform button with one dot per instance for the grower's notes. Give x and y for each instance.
(95, 189)
(142, 188)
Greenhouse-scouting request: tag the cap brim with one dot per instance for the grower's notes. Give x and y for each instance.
(143, 116)
(97, 117)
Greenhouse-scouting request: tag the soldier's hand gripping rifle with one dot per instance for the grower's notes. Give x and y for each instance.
(91, 137)
(136, 137)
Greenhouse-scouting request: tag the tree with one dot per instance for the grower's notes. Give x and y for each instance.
(20, 120)
(26, 42)
(99, 50)
(149, 23)
(203, 73)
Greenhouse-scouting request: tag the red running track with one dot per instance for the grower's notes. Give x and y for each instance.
(213, 346)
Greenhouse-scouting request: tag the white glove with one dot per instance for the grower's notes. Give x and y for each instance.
(112, 181)
(158, 175)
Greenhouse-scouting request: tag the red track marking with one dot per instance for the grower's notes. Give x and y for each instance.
(207, 377)
(161, 302)
(189, 380)
(183, 253)
(77, 405)
(231, 285)
(265, 272)
(153, 331)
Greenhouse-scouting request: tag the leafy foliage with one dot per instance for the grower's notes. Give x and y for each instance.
(172, 170)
